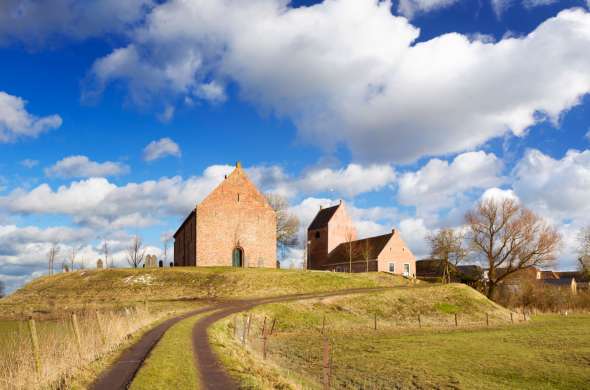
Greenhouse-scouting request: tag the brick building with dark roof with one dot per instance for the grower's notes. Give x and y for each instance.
(332, 245)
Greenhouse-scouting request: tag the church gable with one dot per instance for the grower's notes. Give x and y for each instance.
(235, 188)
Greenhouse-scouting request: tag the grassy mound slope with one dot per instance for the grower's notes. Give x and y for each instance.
(546, 352)
(119, 287)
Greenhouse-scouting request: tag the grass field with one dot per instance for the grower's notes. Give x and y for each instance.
(546, 352)
(120, 287)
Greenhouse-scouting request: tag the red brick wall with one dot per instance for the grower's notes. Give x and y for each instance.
(234, 215)
(185, 241)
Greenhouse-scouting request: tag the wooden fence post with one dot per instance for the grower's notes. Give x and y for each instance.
(326, 364)
(323, 324)
(375, 321)
(264, 340)
(35, 345)
(419, 321)
(456, 320)
(77, 333)
(263, 331)
(244, 329)
(235, 326)
(487, 319)
(511, 318)
(272, 328)
(249, 322)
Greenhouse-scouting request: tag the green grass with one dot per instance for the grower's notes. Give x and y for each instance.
(547, 352)
(170, 365)
(120, 287)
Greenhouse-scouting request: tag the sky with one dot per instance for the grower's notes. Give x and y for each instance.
(116, 118)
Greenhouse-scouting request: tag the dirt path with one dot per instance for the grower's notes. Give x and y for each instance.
(213, 376)
(210, 369)
(122, 372)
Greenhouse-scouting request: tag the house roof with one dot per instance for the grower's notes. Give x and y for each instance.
(559, 282)
(579, 276)
(549, 275)
(431, 268)
(323, 217)
(371, 246)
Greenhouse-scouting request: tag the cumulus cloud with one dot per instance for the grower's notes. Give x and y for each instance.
(98, 202)
(36, 22)
(559, 188)
(81, 166)
(369, 86)
(161, 148)
(440, 184)
(409, 8)
(16, 122)
(352, 180)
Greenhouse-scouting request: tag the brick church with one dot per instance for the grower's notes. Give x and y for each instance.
(233, 226)
(332, 243)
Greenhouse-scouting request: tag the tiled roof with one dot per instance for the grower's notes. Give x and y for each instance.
(371, 246)
(323, 217)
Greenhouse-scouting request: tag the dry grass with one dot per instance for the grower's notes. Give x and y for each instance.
(61, 358)
(112, 288)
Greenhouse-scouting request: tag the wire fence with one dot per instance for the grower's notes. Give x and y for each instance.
(318, 364)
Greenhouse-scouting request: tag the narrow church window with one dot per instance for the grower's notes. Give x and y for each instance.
(238, 197)
(317, 234)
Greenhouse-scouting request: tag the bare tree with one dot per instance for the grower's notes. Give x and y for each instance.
(510, 238)
(72, 256)
(2, 289)
(51, 255)
(366, 253)
(166, 244)
(349, 237)
(106, 252)
(584, 250)
(287, 223)
(447, 245)
(135, 252)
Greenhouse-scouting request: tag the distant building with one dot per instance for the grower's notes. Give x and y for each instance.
(233, 226)
(433, 270)
(332, 245)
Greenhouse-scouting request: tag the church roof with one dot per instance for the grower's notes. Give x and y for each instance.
(323, 217)
(367, 248)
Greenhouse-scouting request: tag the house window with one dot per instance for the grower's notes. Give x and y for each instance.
(392, 267)
(317, 234)
(406, 269)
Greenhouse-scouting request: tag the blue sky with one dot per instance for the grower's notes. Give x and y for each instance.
(116, 118)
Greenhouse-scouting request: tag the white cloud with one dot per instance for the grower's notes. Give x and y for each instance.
(439, 184)
(414, 233)
(81, 166)
(555, 188)
(161, 148)
(409, 8)
(350, 181)
(35, 22)
(496, 194)
(368, 86)
(167, 115)
(16, 122)
(29, 163)
(98, 202)
(212, 92)
(500, 6)
(537, 3)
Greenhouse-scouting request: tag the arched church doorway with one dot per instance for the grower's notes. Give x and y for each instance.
(238, 257)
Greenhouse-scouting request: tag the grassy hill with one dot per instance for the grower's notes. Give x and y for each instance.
(120, 287)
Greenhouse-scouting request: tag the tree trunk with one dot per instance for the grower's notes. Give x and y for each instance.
(491, 289)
